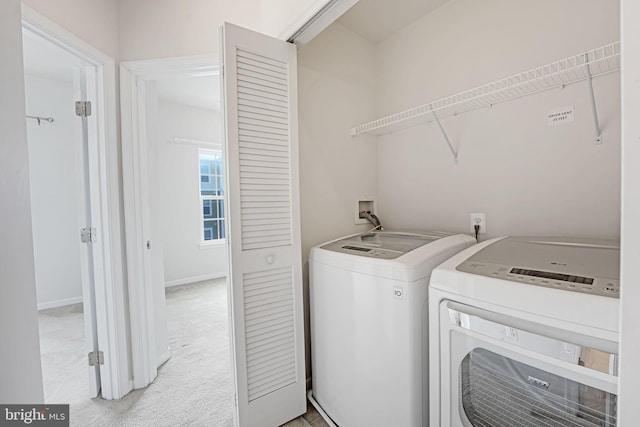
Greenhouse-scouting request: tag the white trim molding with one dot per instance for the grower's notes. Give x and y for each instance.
(629, 374)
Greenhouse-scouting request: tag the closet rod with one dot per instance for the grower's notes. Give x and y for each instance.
(41, 119)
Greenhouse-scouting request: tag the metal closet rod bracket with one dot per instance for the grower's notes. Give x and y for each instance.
(41, 119)
(592, 97)
(446, 138)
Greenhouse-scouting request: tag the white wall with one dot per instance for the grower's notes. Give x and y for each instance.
(177, 208)
(20, 368)
(166, 28)
(630, 333)
(54, 168)
(95, 21)
(530, 179)
(336, 91)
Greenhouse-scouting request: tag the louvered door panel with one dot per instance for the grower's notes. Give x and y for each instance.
(264, 234)
(265, 169)
(269, 329)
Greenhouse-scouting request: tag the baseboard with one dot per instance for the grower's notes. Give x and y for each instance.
(194, 279)
(164, 357)
(59, 303)
(321, 411)
(121, 392)
(128, 390)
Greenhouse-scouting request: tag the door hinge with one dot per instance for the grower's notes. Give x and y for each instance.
(88, 235)
(83, 108)
(96, 358)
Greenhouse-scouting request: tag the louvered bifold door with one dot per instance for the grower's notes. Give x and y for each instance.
(260, 108)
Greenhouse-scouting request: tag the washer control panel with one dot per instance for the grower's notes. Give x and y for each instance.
(371, 252)
(548, 279)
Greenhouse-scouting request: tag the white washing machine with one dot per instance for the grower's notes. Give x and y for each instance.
(524, 331)
(369, 334)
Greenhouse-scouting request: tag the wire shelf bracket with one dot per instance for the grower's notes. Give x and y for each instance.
(446, 138)
(582, 67)
(592, 98)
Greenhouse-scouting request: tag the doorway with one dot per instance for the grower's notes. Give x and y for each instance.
(181, 179)
(261, 158)
(67, 120)
(58, 170)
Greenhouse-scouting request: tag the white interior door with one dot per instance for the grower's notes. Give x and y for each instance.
(85, 88)
(100, 308)
(261, 151)
(154, 251)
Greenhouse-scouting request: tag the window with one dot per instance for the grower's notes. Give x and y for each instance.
(211, 195)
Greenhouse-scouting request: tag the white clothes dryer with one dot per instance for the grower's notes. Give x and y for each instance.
(524, 332)
(369, 334)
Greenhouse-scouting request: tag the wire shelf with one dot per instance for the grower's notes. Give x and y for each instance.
(594, 63)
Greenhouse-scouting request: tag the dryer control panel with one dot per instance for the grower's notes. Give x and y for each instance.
(590, 267)
(549, 279)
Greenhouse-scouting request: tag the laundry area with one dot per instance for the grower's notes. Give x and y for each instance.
(487, 120)
(323, 213)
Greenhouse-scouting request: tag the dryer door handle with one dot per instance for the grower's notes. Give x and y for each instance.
(560, 344)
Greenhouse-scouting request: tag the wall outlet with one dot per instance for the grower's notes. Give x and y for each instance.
(479, 218)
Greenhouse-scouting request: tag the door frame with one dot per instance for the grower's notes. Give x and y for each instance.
(133, 76)
(109, 302)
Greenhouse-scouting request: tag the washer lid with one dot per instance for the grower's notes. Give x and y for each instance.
(382, 244)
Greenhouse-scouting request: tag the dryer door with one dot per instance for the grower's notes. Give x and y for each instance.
(506, 373)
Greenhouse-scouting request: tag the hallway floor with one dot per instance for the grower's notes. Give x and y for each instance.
(193, 387)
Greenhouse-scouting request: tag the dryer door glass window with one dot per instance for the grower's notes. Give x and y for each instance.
(497, 391)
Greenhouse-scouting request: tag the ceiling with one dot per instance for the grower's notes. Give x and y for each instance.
(194, 91)
(376, 20)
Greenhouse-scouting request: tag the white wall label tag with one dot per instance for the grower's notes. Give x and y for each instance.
(397, 293)
(560, 115)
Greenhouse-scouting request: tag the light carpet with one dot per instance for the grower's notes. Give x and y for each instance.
(193, 388)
